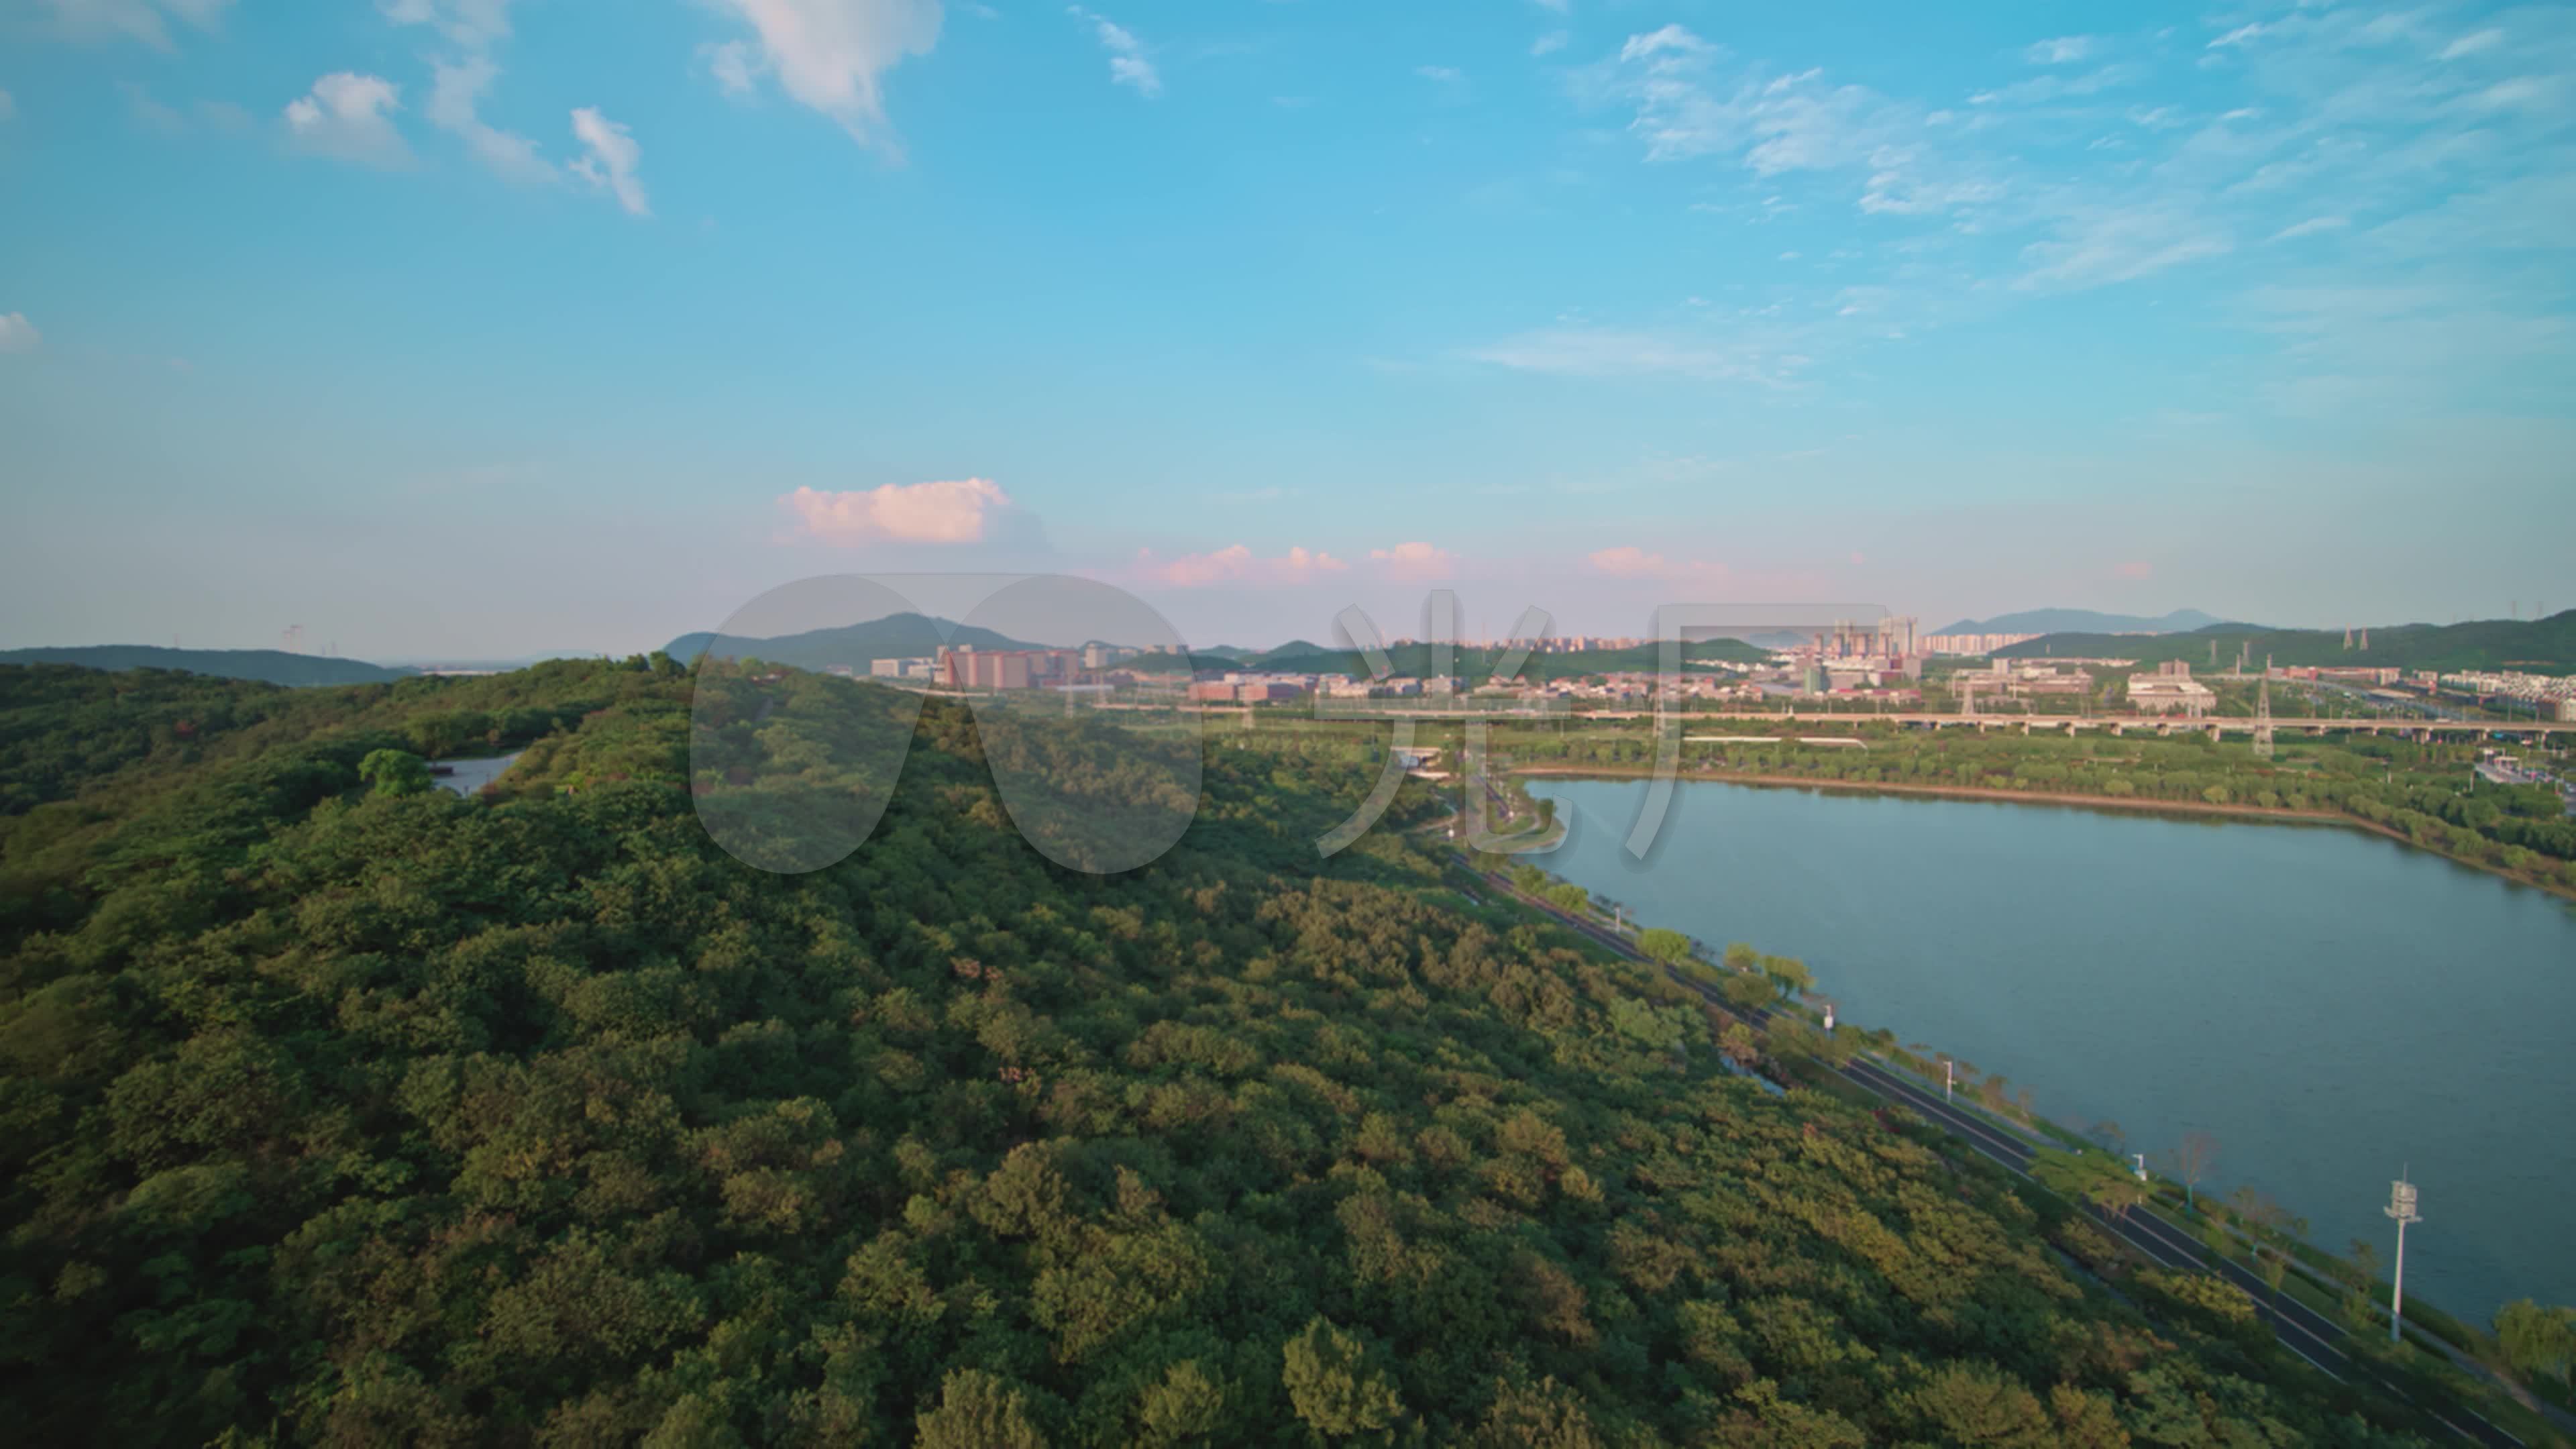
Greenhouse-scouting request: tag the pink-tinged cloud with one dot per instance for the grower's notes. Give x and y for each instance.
(1414, 562)
(1636, 563)
(2137, 569)
(958, 511)
(1236, 564)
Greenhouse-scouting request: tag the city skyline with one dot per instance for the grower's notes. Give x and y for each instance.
(1264, 310)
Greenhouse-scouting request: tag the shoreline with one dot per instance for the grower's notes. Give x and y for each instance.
(2277, 814)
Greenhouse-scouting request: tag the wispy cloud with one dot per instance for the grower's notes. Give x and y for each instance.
(2121, 243)
(610, 160)
(1600, 352)
(1630, 562)
(456, 92)
(17, 334)
(2311, 227)
(2476, 42)
(141, 20)
(2061, 51)
(1128, 63)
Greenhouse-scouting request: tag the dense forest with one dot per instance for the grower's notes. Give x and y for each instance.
(340, 1109)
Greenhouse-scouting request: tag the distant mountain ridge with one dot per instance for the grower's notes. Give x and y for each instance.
(268, 666)
(896, 636)
(2084, 621)
(2541, 646)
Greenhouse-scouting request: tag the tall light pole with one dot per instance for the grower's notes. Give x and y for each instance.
(1949, 1079)
(2401, 1206)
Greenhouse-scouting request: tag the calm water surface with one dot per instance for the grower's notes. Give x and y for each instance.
(2330, 1005)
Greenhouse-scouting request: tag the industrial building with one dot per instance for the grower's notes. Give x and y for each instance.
(2170, 690)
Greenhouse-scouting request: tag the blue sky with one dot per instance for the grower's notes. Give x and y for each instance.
(472, 327)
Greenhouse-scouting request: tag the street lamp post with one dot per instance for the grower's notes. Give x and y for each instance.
(2401, 1206)
(1949, 1079)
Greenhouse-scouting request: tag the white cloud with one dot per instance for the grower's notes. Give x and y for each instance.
(1414, 562)
(17, 334)
(2240, 35)
(832, 55)
(455, 94)
(2060, 51)
(1236, 563)
(349, 116)
(963, 510)
(610, 164)
(1550, 43)
(2472, 43)
(2312, 226)
(1128, 65)
(131, 19)
(1438, 74)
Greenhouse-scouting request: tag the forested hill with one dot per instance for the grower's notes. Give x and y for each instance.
(353, 1113)
(270, 666)
(2542, 646)
(896, 636)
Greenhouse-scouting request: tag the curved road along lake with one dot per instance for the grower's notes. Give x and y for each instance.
(2330, 1005)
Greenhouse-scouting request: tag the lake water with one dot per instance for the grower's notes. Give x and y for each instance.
(467, 776)
(2332, 1006)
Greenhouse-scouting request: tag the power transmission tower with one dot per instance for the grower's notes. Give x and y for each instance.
(2263, 718)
